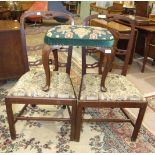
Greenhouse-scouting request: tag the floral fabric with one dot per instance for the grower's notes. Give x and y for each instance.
(79, 35)
(31, 83)
(118, 88)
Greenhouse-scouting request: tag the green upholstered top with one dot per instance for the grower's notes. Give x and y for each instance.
(79, 35)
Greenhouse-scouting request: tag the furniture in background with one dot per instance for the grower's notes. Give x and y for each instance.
(17, 5)
(142, 8)
(129, 7)
(119, 27)
(48, 6)
(152, 17)
(58, 6)
(26, 4)
(146, 30)
(13, 54)
(72, 6)
(15, 9)
(117, 8)
(4, 13)
(37, 6)
(149, 32)
(120, 92)
(16, 14)
(28, 89)
(146, 38)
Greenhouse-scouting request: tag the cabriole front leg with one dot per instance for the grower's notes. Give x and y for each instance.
(45, 60)
(107, 68)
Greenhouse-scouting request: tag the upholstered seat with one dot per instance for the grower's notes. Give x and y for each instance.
(119, 88)
(31, 83)
(78, 35)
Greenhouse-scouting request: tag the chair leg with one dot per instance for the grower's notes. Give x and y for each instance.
(69, 59)
(33, 105)
(11, 120)
(55, 54)
(101, 62)
(138, 123)
(78, 123)
(63, 107)
(73, 122)
(83, 60)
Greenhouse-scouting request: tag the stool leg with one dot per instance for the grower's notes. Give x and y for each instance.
(55, 54)
(11, 120)
(138, 123)
(69, 59)
(83, 60)
(45, 61)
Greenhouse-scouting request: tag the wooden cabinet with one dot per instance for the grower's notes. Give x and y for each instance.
(142, 8)
(117, 8)
(13, 56)
(72, 6)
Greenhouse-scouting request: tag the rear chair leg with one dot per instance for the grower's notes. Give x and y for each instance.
(138, 123)
(55, 54)
(11, 120)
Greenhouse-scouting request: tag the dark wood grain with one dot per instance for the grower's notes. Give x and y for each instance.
(13, 56)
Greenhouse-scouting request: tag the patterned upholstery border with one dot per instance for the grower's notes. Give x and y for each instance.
(79, 35)
(118, 89)
(30, 84)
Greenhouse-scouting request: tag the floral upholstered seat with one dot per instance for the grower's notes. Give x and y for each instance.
(31, 83)
(118, 89)
(79, 35)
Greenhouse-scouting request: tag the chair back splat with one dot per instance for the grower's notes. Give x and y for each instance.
(120, 92)
(28, 89)
(50, 15)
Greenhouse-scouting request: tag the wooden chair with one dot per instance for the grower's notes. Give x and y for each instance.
(120, 93)
(28, 90)
(50, 15)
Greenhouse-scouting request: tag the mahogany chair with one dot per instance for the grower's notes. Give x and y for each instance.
(50, 15)
(28, 89)
(119, 93)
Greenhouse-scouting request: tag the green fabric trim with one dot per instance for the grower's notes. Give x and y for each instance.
(79, 42)
(78, 35)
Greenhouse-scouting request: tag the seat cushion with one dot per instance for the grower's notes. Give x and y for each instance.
(31, 83)
(79, 35)
(119, 88)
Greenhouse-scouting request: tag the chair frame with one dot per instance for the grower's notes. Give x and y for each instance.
(11, 100)
(54, 49)
(83, 104)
